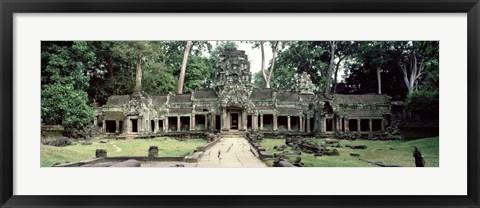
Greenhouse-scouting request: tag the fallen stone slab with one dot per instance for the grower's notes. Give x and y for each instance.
(265, 154)
(128, 163)
(380, 163)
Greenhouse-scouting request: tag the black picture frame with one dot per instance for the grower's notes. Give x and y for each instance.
(9, 7)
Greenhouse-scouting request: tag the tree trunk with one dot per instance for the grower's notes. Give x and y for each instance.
(138, 74)
(181, 79)
(330, 68)
(379, 78)
(264, 74)
(274, 55)
(335, 81)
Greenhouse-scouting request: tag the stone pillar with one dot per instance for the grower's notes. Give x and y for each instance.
(261, 121)
(104, 126)
(206, 121)
(178, 123)
(117, 127)
(289, 125)
(370, 124)
(224, 119)
(359, 128)
(125, 128)
(345, 123)
(383, 125)
(323, 124)
(192, 122)
(165, 124)
(308, 124)
(213, 121)
(244, 120)
(316, 122)
(275, 124)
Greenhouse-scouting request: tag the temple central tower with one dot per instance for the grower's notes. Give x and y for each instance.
(233, 88)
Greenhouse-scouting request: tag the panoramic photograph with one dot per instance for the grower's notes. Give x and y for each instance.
(239, 104)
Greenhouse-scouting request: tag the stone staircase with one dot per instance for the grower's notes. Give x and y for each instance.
(234, 134)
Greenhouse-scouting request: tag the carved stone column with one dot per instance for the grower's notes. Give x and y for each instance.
(178, 123)
(254, 121)
(104, 126)
(165, 124)
(289, 125)
(117, 127)
(345, 123)
(261, 121)
(224, 119)
(370, 125)
(192, 122)
(358, 125)
(275, 122)
(308, 124)
(244, 120)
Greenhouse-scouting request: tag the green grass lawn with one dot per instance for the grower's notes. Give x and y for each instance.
(391, 152)
(137, 147)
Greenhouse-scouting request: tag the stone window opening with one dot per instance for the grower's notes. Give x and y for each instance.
(110, 126)
(152, 125)
(160, 125)
(268, 121)
(376, 124)
(353, 125)
(282, 123)
(329, 124)
(249, 121)
(120, 126)
(312, 123)
(200, 122)
(217, 122)
(184, 123)
(364, 125)
(295, 123)
(327, 108)
(134, 125)
(172, 123)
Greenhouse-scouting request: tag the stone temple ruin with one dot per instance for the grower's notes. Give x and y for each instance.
(235, 105)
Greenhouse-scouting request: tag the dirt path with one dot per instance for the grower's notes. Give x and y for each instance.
(116, 147)
(230, 152)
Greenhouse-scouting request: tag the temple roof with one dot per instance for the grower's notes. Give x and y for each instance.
(183, 98)
(361, 99)
(289, 110)
(180, 110)
(159, 99)
(355, 113)
(117, 100)
(261, 94)
(287, 96)
(204, 94)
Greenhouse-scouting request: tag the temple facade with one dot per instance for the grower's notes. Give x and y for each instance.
(235, 105)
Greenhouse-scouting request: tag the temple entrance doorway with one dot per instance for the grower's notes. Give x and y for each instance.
(234, 121)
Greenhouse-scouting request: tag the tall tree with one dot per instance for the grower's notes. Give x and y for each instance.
(330, 67)
(267, 78)
(65, 82)
(139, 51)
(181, 79)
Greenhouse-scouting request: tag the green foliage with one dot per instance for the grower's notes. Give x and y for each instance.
(423, 102)
(64, 83)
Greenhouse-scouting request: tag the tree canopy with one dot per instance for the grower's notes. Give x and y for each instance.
(76, 74)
